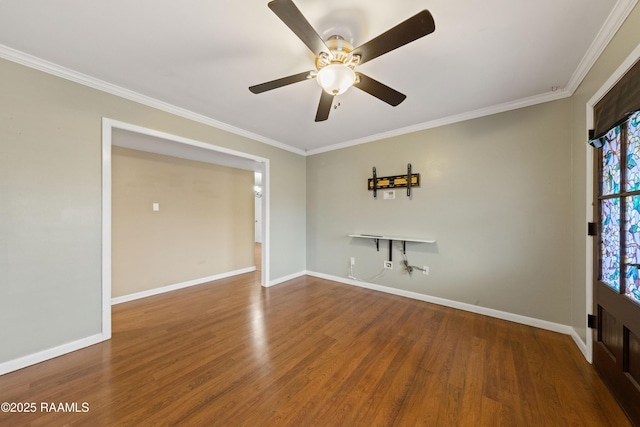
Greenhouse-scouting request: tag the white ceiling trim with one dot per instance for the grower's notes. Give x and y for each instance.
(615, 19)
(86, 80)
(482, 112)
(611, 26)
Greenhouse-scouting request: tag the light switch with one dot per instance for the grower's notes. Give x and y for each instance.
(156, 207)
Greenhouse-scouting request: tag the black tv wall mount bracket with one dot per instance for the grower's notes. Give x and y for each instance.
(408, 180)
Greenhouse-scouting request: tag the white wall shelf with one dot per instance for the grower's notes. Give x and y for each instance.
(377, 238)
(401, 239)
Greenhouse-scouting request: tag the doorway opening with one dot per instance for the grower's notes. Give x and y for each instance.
(120, 134)
(257, 190)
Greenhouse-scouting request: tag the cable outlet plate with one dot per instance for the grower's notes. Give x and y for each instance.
(388, 265)
(389, 195)
(425, 270)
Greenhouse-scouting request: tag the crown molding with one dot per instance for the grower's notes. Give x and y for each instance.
(48, 67)
(482, 112)
(612, 24)
(614, 21)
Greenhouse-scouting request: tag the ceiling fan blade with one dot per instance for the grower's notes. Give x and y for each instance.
(379, 90)
(324, 108)
(274, 84)
(419, 25)
(293, 18)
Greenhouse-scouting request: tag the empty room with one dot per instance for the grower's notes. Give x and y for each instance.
(320, 213)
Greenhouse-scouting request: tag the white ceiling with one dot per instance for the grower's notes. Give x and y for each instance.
(199, 57)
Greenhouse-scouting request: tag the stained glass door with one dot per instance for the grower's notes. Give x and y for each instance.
(616, 352)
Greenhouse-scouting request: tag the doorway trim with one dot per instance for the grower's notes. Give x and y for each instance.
(188, 144)
(626, 65)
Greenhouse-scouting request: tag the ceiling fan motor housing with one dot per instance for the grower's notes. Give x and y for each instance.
(340, 53)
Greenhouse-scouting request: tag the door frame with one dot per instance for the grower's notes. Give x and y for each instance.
(600, 93)
(181, 143)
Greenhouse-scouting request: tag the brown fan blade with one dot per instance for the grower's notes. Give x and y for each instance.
(293, 18)
(274, 84)
(379, 90)
(419, 25)
(324, 107)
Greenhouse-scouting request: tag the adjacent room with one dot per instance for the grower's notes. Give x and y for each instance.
(443, 229)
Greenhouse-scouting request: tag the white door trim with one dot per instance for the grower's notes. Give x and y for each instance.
(606, 87)
(107, 142)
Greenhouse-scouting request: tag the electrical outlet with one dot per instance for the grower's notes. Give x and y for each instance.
(388, 265)
(353, 260)
(425, 270)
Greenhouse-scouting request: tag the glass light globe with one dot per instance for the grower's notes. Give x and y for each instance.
(336, 78)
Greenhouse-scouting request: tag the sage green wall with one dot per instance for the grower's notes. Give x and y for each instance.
(526, 257)
(624, 42)
(50, 203)
(495, 194)
(503, 195)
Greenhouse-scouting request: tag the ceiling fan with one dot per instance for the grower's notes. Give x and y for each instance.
(336, 59)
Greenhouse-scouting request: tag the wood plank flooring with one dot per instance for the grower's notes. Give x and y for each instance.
(311, 352)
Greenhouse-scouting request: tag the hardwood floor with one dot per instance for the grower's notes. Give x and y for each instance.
(311, 352)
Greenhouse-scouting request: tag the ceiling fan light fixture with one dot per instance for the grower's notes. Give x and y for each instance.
(335, 79)
(336, 59)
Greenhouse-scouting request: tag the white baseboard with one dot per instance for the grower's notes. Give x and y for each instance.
(32, 359)
(530, 321)
(581, 344)
(286, 278)
(41, 356)
(169, 288)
